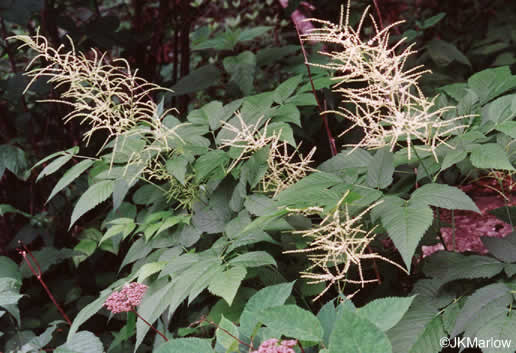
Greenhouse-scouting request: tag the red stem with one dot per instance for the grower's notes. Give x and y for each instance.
(40, 279)
(378, 13)
(152, 327)
(331, 140)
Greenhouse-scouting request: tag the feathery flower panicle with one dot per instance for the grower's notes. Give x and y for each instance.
(336, 245)
(284, 168)
(387, 103)
(273, 345)
(125, 300)
(108, 97)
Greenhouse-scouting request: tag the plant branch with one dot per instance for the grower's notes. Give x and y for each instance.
(152, 327)
(23, 252)
(331, 140)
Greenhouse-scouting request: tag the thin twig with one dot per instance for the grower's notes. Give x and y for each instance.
(23, 252)
(152, 327)
(331, 140)
(378, 13)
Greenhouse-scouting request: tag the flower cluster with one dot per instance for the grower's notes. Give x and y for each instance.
(379, 95)
(274, 346)
(337, 243)
(285, 165)
(125, 300)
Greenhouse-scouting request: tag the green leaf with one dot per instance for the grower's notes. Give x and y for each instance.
(490, 156)
(480, 305)
(225, 284)
(432, 21)
(385, 312)
(302, 99)
(82, 342)
(444, 53)
(5, 208)
(149, 269)
(198, 80)
(430, 340)
(453, 157)
(9, 269)
(253, 259)
(70, 175)
(491, 83)
(286, 88)
(9, 291)
(449, 266)
(505, 213)
(13, 159)
(507, 127)
(251, 33)
(501, 328)
(312, 190)
(177, 167)
(357, 158)
(263, 299)
(381, 169)
(225, 340)
(87, 247)
(292, 321)
(406, 333)
(54, 166)
(444, 196)
(183, 345)
(354, 334)
(499, 111)
(208, 162)
(96, 194)
(241, 69)
(287, 113)
(504, 248)
(406, 224)
(46, 257)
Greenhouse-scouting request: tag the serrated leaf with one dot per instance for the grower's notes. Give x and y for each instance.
(499, 111)
(406, 224)
(242, 69)
(504, 248)
(82, 342)
(9, 269)
(502, 329)
(453, 157)
(225, 284)
(405, 334)
(292, 321)
(354, 334)
(444, 53)
(492, 82)
(70, 175)
(430, 340)
(385, 312)
(149, 269)
(54, 166)
(473, 309)
(177, 167)
(449, 266)
(253, 259)
(490, 156)
(9, 291)
(286, 88)
(223, 338)
(312, 190)
(287, 113)
(96, 194)
(183, 345)
(444, 196)
(251, 33)
(198, 80)
(302, 99)
(265, 298)
(381, 169)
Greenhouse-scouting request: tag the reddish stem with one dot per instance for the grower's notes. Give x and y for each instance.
(331, 140)
(378, 13)
(23, 252)
(152, 327)
(202, 319)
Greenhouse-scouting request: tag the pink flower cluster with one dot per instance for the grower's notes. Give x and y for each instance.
(125, 300)
(272, 346)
